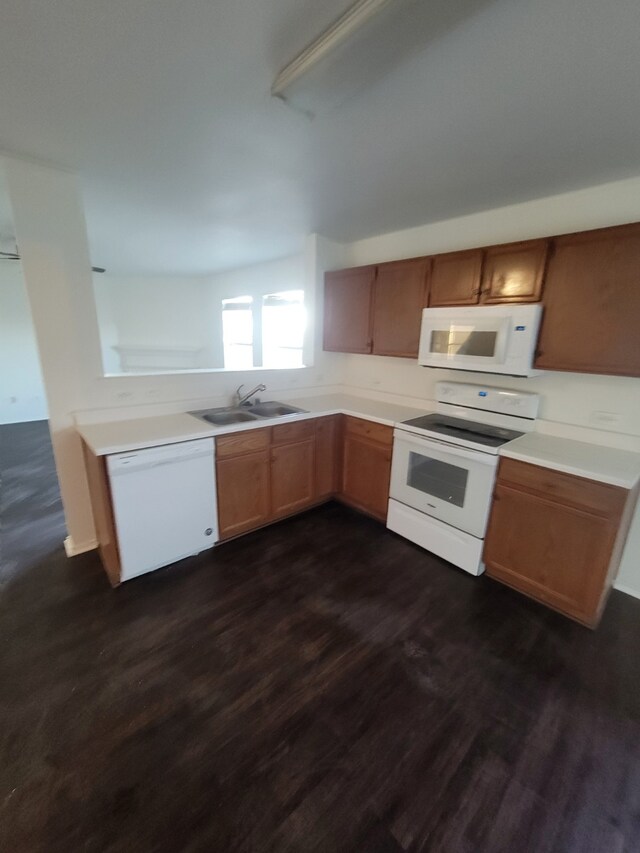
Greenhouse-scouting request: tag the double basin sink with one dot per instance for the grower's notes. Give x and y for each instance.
(241, 414)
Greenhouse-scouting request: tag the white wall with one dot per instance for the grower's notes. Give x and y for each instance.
(571, 403)
(164, 313)
(157, 312)
(22, 396)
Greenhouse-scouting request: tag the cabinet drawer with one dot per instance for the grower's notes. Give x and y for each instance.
(601, 498)
(242, 442)
(297, 431)
(370, 430)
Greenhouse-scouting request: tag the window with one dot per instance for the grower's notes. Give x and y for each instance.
(283, 323)
(267, 331)
(237, 332)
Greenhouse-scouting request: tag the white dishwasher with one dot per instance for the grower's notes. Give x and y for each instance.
(164, 502)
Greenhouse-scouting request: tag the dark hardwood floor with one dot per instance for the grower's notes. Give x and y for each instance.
(321, 685)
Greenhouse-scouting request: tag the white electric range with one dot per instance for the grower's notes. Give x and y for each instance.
(444, 466)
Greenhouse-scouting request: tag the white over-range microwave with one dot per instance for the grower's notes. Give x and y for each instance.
(489, 339)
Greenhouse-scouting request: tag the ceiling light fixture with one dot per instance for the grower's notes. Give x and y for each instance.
(329, 68)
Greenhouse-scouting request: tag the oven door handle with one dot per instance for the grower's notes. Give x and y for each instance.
(424, 443)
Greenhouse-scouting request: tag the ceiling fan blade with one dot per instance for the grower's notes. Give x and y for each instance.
(11, 256)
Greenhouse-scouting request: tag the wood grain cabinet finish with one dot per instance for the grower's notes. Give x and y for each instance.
(244, 500)
(591, 315)
(328, 456)
(292, 477)
(347, 310)
(267, 474)
(514, 272)
(455, 279)
(557, 538)
(400, 294)
(366, 467)
(102, 508)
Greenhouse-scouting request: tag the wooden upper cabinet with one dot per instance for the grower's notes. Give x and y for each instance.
(514, 272)
(399, 297)
(455, 278)
(592, 303)
(347, 310)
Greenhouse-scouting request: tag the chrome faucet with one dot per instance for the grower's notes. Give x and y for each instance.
(241, 398)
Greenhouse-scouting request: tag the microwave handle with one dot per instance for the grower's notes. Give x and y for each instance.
(425, 443)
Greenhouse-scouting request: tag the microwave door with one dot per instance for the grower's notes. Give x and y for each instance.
(468, 344)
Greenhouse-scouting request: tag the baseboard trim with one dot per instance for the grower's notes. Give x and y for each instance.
(629, 590)
(72, 550)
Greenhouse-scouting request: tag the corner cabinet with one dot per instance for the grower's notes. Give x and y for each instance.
(592, 304)
(556, 537)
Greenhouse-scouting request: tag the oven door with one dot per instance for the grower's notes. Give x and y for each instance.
(443, 480)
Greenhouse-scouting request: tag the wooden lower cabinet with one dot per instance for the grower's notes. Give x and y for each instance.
(556, 537)
(269, 473)
(328, 456)
(366, 466)
(292, 477)
(243, 492)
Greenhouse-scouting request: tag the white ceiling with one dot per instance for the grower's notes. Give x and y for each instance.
(188, 165)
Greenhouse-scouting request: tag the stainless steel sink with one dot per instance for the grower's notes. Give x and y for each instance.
(224, 417)
(274, 409)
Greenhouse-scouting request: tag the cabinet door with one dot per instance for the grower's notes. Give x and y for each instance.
(399, 297)
(554, 553)
(514, 272)
(327, 456)
(243, 493)
(347, 310)
(365, 475)
(292, 477)
(592, 304)
(455, 278)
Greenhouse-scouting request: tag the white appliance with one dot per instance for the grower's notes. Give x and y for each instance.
(164, 501)
(489, 338)
(444, 465)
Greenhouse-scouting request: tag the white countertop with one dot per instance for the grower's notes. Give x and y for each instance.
(593, 461)
(122, 436)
